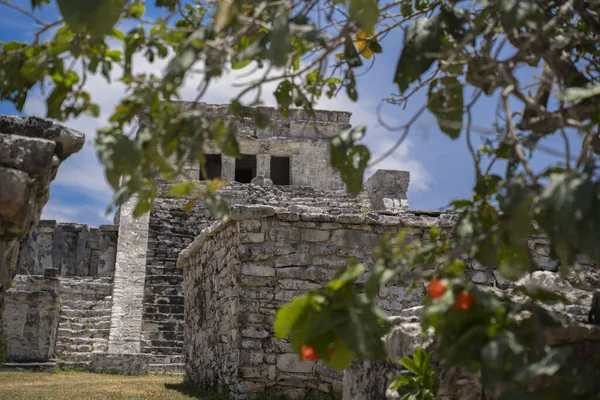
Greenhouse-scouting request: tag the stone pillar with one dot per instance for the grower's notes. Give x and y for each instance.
(263, 165)
(130, 275)
(387, 190)
(227, 167)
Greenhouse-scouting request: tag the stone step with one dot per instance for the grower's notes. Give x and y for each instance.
(91, 319)
(84, 304)
(74, 356)
(82, 333)
(162, 350)
(64, 350)
(77, 341)
(172, 369)
(73, 364)
(67, 312)
(167, 359)
(83, 324)
(29, 366)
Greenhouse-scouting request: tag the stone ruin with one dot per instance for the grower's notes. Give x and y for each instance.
(31, 151)
(178, 292)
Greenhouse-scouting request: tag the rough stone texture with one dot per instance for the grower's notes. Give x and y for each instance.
(387, 190)
(302, 138)
(70, 250)
(238, 273)
(171, 229)
(31, 150)
(130, 275)
(31, 318)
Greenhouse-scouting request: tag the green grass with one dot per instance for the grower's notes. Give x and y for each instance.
(79, 385)
(87, 386)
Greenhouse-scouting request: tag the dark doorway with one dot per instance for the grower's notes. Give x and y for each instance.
(245, 168)
(212, 166)
(280, 170)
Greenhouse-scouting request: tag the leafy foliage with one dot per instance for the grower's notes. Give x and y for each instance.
(539, 60)
(420, 382)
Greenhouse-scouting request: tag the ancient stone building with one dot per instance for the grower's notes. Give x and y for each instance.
(116, 290)
(178, 292)
(31, 151)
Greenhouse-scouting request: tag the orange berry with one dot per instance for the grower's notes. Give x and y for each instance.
(436, 289)
(309, 353)
(464, 301)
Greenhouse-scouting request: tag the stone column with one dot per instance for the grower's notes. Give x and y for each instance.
(263, 165)
(130, 276)
(227, 167)
(387, 190)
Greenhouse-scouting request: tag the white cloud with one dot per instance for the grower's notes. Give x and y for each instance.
(84, 174)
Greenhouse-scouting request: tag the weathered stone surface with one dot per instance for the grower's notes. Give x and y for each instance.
(387, 190)
(31, 150)
(31, 319)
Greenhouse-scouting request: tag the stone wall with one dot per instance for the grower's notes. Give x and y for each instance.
(67, 249)
(301, 137)
(171, 229)
(31, 151)
(31, 318)
(237, 274)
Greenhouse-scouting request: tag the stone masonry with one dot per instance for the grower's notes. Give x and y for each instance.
(175, 291)
(31, 151)
(237, 274)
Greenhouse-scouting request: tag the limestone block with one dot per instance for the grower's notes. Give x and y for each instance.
(354, 239)
(238, 212)
(16, 203)
(256, 269)
(30, 155)
(293, 363)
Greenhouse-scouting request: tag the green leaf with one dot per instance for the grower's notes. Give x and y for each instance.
(349, 158)
(569, 211)
(446, 103)
(38, 3)
(520, 13)
(288, 315)
(226, 11)
(218, 206)
(410, 365)
(262, 119)
(346, 276)
(280, 46)
(97, 18)
(341, 356)
(365, 12)
(182, 189)
(548, 366)
(284, 96)
(351, 55)
(422, 36)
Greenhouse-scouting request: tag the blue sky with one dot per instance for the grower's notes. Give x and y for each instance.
(441, 169)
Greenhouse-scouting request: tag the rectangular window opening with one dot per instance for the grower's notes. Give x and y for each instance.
(212, 166)
(245, 168)
(280, 170)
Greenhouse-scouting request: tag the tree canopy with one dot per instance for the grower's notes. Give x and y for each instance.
(538, 60)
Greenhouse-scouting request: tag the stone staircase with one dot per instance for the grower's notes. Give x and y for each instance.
(171, 364)
(84, 323)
